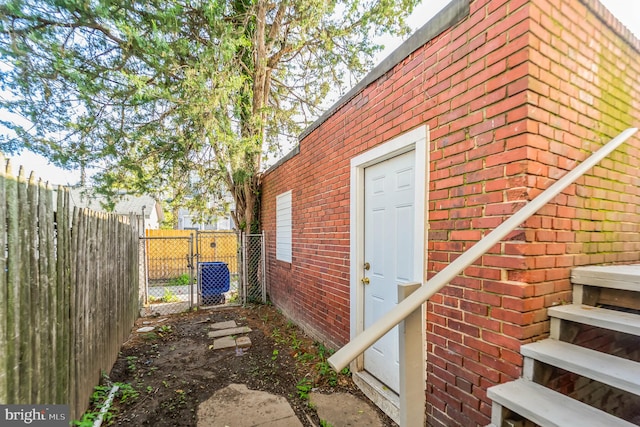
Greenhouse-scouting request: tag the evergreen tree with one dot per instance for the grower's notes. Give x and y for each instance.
(180, 97)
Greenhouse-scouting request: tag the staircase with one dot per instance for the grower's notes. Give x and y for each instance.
(587, 373)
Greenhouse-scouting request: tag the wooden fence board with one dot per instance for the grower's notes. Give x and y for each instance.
(68, 293)
(63, 285)
(4, 393)
(13, 286)
(32, 282)
(52, 342)
(25, 369)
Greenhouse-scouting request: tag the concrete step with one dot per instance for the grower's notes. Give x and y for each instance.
(626, 277)
(599, 317)
(617, 372)
(546, 407)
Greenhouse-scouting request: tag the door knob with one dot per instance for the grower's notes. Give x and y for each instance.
(367, 266)
(365, 280)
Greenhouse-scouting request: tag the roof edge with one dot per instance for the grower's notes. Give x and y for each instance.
(453, 13)
(610, 20)
(294, 151)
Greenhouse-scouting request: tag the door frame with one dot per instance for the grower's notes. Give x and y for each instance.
(414, 140)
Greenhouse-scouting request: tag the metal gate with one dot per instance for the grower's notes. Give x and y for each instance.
(183, 269)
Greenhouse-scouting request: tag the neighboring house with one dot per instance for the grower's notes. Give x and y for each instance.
(188, 221)
(85, 197)
(478, 112)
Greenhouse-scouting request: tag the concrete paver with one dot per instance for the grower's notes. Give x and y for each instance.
(237, 406)
(224, 325)
(243, 342)
(344, 410)
(224, 342)
(230, 331)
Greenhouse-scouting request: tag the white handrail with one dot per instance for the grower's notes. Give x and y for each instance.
(397, 314)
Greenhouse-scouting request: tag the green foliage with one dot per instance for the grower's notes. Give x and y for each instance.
(169, 296)
(87, 419)
(314, 359)
(304, 386)
(179, 98)
(165, 329)
(182, 280)
(126, 394)
(131, 363)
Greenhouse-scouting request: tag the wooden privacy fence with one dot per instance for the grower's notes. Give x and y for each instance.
(68, 293)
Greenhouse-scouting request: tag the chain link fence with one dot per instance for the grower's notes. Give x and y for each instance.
(168, 282)
(183, 269)
(254, 268)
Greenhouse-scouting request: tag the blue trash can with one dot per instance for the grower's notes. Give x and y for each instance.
(214, 280)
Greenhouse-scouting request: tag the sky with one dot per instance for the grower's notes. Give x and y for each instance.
(627, 11)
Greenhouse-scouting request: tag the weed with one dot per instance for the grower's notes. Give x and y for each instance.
(99, 394)
(165, 329)
(150, 336)
(324, 423)
(127, 393)
(234, 298)
(182, 280)
(274, 355)
(326, 372)
(295, 342)
(305, 357)
(169, 296)
(87, 420)
(304, 386)
(131, 363)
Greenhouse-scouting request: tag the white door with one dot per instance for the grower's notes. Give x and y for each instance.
(389, 208)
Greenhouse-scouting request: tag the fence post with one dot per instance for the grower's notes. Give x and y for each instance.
(263, 259)
(412, 381)
(193, 263)
(245, 286)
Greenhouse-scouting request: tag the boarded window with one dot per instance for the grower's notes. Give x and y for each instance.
(283, 227)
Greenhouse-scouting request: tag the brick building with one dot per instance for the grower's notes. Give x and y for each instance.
(478, 112)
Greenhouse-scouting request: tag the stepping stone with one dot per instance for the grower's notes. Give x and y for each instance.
(224, 325)
(344, 409)
(237, 406)
(146, 329)
(231, 331)
(243, 342)
(224, 342)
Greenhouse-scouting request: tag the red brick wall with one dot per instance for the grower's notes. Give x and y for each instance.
(514, 98)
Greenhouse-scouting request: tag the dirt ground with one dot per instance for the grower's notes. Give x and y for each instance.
(173, 369)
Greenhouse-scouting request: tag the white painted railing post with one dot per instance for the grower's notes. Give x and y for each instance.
(412, 370)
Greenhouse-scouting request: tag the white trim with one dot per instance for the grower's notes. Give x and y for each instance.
(414, 140)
